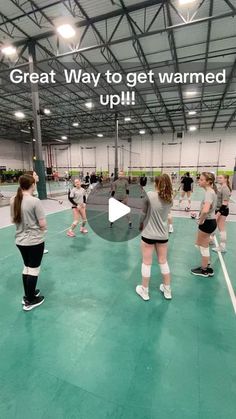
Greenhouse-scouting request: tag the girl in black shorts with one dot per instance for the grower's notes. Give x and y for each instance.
(207, 223)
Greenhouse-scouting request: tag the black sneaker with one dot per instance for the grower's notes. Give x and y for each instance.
(200, 272)
(35, 303)
(210, 271)
(37, 293)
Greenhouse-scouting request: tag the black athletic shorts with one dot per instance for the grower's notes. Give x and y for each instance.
(225, 212)
(208, 226)
(187, 190)
(32, 255)
(151, 241)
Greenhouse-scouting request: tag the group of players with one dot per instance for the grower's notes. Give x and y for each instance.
(28, 216)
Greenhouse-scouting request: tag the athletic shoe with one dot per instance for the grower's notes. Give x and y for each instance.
(70, 233)
(171, 229)
(37, 293)
(142, 292)
(166, 290)
(187, 209)
(210, 271)
(219, 249)
(37, 302)
(130, 225)
(84, 230)
(200, 272)
(45, 251)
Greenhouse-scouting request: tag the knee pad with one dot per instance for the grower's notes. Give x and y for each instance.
(25, 270)
(164, 267)
(34, 271)
(75, 223)
(146, 270)
(205, 251)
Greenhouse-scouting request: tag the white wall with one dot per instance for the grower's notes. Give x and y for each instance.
(145, 152)
(15, 155)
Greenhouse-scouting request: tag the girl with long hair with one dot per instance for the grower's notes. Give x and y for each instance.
(77, 196)
(206, 223)
(222, 210)
(154, 227)
(28, 215)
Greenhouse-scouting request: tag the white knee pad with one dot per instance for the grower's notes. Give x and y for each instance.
(34, 271)
(164, 267)
(205, 251)
(75, 223)
(146, 270)
(25, 270)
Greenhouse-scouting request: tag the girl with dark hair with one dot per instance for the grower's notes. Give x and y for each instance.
(154, 227)
(28, 216)
(222, 210)
(187, 184)
(207, 223)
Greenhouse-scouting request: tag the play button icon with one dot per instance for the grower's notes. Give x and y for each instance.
(111, 219)
(117, 210)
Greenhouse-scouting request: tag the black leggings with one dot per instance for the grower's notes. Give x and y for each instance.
(32, 255)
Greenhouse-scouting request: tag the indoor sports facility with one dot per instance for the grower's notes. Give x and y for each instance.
(118, 167)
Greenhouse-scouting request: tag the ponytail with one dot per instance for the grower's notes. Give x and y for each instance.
(25, 181)
(228, 182)
(210, 178)
(17, 206)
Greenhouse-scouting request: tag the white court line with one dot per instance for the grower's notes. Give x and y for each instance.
(227, 278)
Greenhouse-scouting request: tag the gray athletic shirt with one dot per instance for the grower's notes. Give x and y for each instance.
(77, 194)
(28, 232)
(223, 194)
(156, 220)
(210, 196)
(120, 186)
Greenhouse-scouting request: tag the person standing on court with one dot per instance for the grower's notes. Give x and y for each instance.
(142, 182)
(28, 215)
(206, 223)
(154, 228)
(120, 191)
(187, 182)
(222, 210)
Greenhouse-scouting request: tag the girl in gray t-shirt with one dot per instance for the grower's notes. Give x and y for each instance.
(28, 215)
(77, 196)
(206, 223)
(222, 210)
(154, 227)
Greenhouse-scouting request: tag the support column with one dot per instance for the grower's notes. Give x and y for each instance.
(38, 162)
(116, 170)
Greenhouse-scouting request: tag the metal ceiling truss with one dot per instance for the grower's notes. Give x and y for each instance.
(155, 115)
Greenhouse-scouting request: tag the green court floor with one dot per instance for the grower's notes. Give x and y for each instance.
(95, 350)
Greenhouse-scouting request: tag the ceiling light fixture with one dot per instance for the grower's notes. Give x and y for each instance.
(9, 50)
(192, 113)
(47, 111)
(19, 114)
(183, 2)
(127, 119)
(191, 93)
(64, 137)
(142, 131)
(75, 124)
(100, 135)
(24, 130)
(192, 128)
(89, 105)
(66, 31)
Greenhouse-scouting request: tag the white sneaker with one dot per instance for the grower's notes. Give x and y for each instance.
(166, 291)
(142, 292)
(219, 249)
(171, 228)
(45, 251)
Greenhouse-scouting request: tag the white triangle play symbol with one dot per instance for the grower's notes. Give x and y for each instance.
(117, 210)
